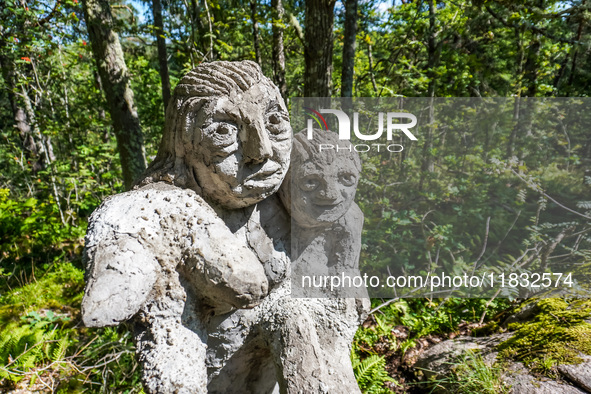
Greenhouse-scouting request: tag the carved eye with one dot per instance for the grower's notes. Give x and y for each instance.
(221, 134)
(347, 179)
(278, 124)
(309, 183)
(275, 118)
(225, 129)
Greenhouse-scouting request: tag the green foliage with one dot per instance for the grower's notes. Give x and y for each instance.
(36, 321)
(432, 213)
(371, 374)
(376, 343)
(41, 333)
(108, 358)
(471, 374)
(476, 208)
(423, 317)
(59, 288)
(30, 227)
(26, 346)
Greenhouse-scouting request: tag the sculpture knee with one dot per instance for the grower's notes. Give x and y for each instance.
(310, 356)
(172, 357)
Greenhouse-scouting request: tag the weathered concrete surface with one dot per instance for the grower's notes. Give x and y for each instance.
(128, 257)
(325, 237)
(319, 192)
(172, 264)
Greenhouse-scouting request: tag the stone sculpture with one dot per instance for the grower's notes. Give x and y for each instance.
(319, 193)
(196, 256)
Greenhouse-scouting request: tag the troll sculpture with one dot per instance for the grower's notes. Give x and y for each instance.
(196, 256)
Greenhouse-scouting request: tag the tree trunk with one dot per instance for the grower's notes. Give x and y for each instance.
(427, 164)
(515, 130)
(431, 49)
(198, 30)
(318, 49)
(531, 61)
(22, 123)
(162, 56)
(278, 49)
(349, 48)
(371, 72)
(255, 32)
(576, 51)
(531, 67)
(115, 80)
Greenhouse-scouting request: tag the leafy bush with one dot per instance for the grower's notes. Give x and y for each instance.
(31, 227)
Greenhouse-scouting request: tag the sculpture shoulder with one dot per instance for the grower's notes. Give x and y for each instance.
(145, 207)
(133, 236)
(128, 239)
(274, 218)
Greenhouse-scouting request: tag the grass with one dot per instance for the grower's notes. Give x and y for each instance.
(471, 374)
(43, 345)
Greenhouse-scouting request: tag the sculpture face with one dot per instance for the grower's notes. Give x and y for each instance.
(321, 194)
(244, 148)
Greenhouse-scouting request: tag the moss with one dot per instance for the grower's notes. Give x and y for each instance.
(59, 289)
(490, 328)
(41, 339)
(556, 334)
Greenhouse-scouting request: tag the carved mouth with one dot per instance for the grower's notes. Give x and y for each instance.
(262, 175)
(268, 175)
(327, 204)
(264, 182)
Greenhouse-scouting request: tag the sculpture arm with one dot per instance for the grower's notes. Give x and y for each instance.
(135, 236)
(122, 275)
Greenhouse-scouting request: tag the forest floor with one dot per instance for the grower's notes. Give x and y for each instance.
(45, 348)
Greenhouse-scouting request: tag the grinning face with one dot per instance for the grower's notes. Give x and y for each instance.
(243, 146)
(322, 193)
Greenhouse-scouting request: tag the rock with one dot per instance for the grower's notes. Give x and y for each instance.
(579, 374)
(520, 381)
(527, 384)
(438, 360)
(526, 312)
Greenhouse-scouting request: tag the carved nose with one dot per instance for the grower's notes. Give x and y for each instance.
(256, 143)
(329, 193)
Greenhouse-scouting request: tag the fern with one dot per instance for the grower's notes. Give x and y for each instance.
(584, 204)
(24, 347)
(59, 351)
(371, 374)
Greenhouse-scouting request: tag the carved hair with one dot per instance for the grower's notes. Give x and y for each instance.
(305, 150)
(202, 84)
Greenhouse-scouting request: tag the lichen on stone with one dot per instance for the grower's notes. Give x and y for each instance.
(558, 333)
